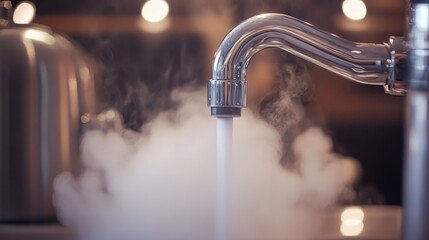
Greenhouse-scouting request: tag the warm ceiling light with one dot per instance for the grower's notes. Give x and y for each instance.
(354, 9)
(24, 13)
(155, 10)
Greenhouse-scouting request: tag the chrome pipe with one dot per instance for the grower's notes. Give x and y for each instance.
(416, 171)
(374, 64)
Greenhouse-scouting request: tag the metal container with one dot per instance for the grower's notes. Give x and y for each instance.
(46, 85)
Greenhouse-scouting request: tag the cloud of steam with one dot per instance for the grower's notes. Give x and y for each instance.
(160, 184)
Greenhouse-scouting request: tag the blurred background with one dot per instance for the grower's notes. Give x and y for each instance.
(142, 57)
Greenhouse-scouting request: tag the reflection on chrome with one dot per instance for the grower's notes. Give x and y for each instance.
(41, 36)
(352, 221)
(85, 74)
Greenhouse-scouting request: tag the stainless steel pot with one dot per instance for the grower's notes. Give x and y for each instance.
(46, 87)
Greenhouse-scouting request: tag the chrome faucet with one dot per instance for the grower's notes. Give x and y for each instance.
(375, 64)
(401, 65)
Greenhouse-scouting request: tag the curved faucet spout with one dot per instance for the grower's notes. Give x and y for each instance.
(361, 62)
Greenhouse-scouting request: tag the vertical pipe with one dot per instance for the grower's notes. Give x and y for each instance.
(416, 172)
(416, 192)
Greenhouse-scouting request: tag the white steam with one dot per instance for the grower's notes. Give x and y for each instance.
(160, 185)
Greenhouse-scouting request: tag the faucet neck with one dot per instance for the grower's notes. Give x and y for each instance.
(361, 62)
(365, 63)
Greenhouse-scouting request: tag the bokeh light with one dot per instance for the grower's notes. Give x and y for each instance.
(354, 9)
(155, 10)
(24, 13)
(352, 221)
